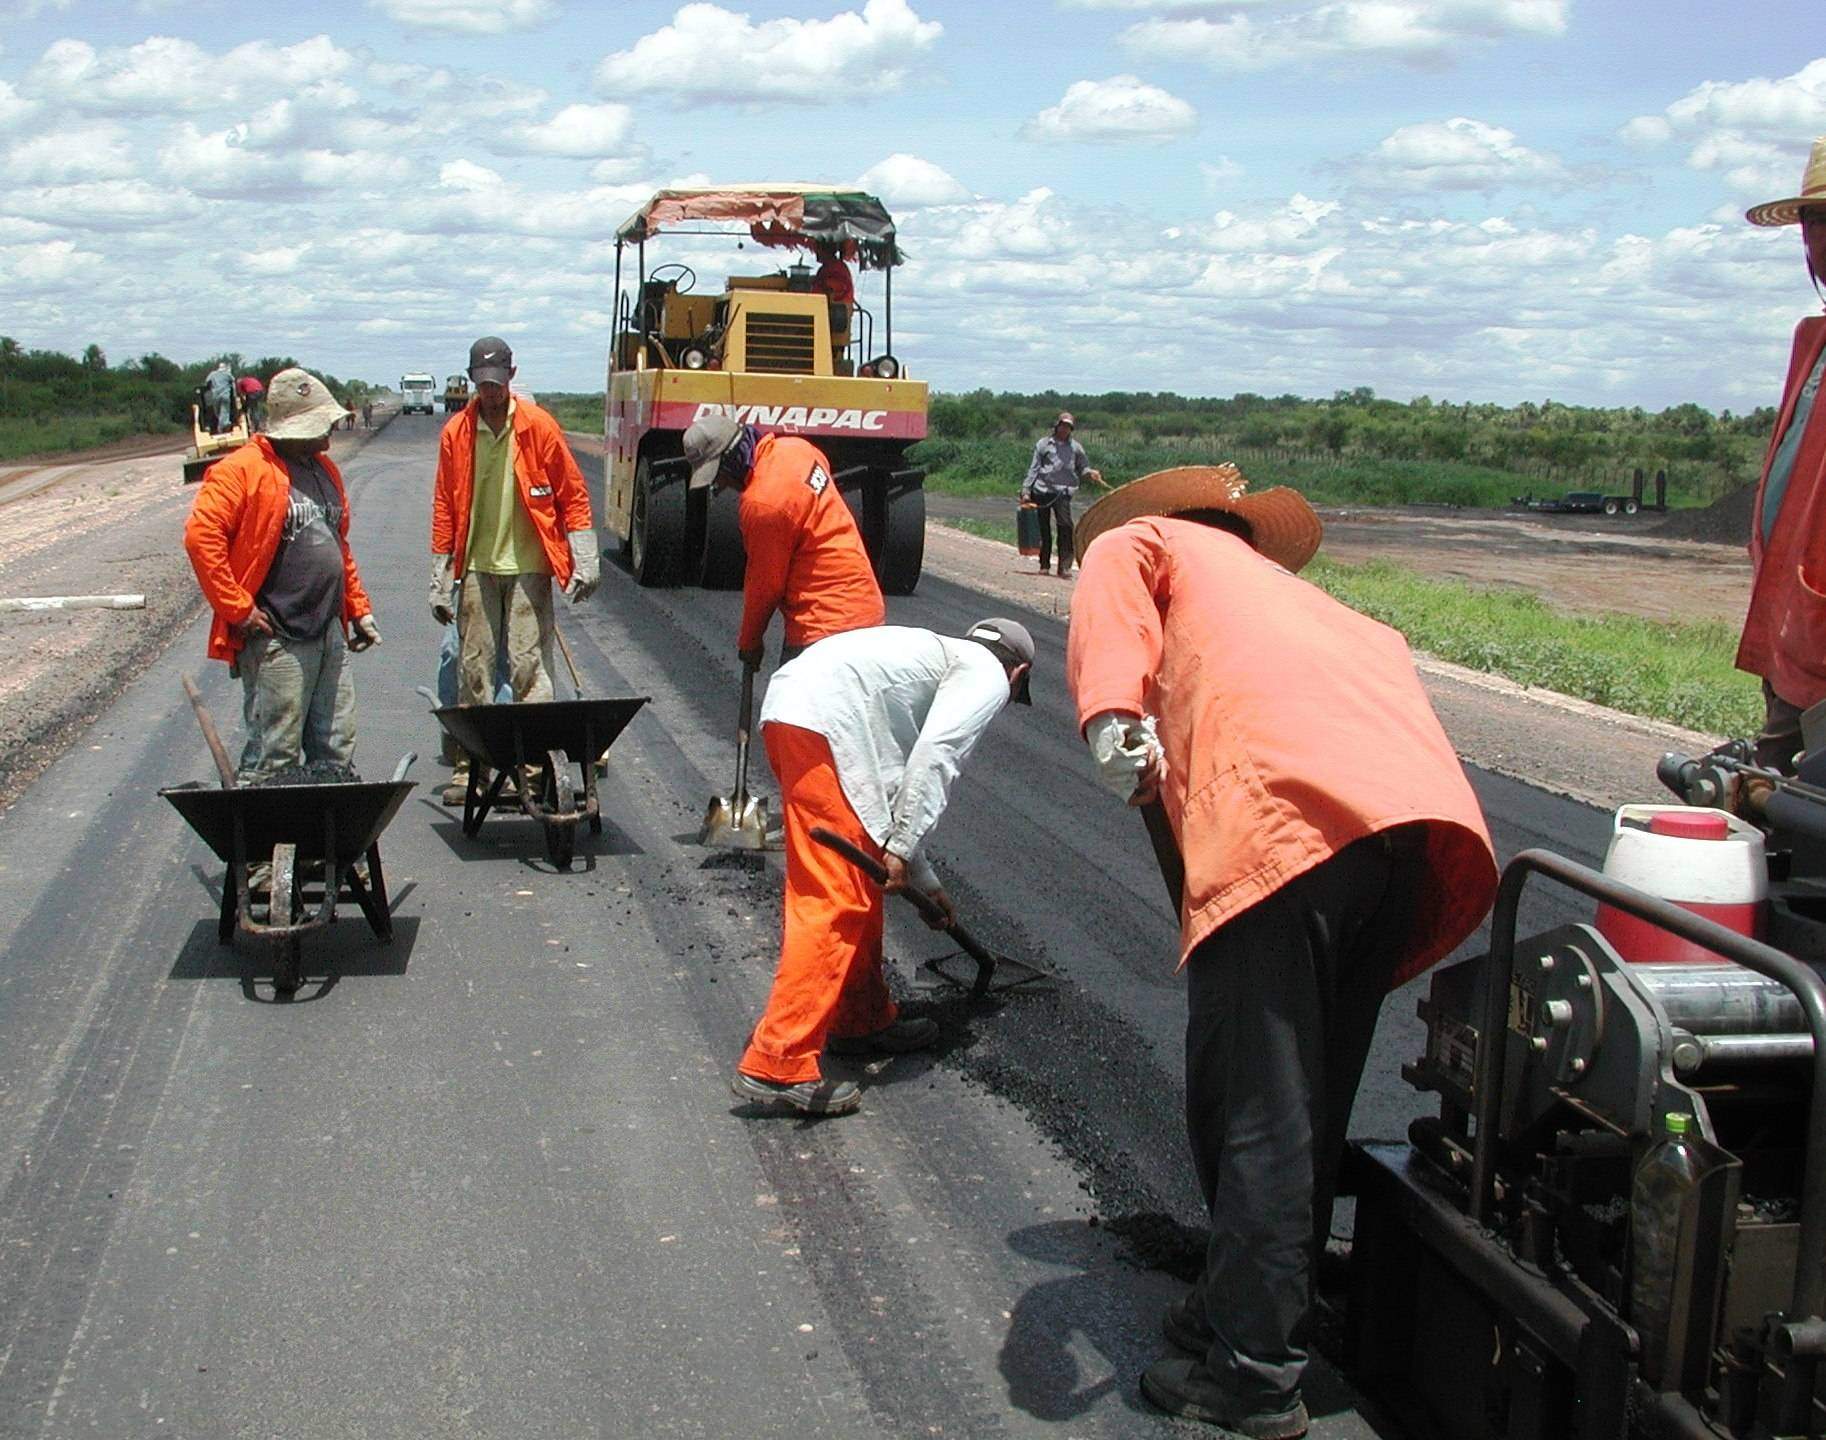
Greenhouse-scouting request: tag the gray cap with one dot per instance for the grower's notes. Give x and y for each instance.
(491, 361)
(1011, 640)
(705, 443)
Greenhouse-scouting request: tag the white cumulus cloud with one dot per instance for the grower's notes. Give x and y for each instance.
(1754, 133)
(1422, 32)
(1119, 110)
(1455, 154)
(96, 151)
(585, 132)
(160, 75)
(470, 17)
(906, 181)
(709, 53)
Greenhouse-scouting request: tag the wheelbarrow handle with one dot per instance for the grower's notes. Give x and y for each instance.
(925, 904)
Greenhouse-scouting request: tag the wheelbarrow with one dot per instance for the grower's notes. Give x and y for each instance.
(555, 736)
(296, 827)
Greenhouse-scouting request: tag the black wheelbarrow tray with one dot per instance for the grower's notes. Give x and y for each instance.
(551, 737)
(296, 827)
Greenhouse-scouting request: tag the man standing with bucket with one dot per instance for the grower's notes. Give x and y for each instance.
(1058, 464)
(866, 731)
(1331, 849)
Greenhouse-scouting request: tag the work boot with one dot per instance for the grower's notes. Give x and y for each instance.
(900, 1038)
(1185, 1326)
(459, 784)
(1065, 570)
(814, 1097)
(1187, 1389)
(1045, 565)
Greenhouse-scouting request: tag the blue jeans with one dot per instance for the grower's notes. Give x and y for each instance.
(448, 650)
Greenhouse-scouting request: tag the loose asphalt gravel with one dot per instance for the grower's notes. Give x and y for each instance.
(488, 1180)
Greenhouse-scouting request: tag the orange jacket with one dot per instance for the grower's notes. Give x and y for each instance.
(1784, 638)
(550, 485)
(233, 533)
(1292, 725)
(805, 555)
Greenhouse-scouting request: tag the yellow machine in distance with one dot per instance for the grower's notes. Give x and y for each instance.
(456, 393)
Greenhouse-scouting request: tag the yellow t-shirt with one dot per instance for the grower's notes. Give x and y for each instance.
(502, 540)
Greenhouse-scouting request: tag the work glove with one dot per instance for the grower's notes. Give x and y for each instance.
(1124, 748)
(364, 634)
(586, 566)
(443, 588)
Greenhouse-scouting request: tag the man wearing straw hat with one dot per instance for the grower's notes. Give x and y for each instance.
(268, 537)
(1784, 639)
(1331, 849)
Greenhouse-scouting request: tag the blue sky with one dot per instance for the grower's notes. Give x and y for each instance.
(1473, 199)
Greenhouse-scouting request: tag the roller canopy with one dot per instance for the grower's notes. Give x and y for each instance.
(793, 217)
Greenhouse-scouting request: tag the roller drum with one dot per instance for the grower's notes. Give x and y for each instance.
(1722, 1000)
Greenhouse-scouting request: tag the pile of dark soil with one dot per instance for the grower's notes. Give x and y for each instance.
(1723, 522)
(317, 772)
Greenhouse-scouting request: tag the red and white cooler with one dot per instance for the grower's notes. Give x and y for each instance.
(1706, 861)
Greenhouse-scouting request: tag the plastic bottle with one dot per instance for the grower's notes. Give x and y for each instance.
(1667, 1176)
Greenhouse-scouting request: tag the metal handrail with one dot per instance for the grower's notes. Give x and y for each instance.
(1802, 979)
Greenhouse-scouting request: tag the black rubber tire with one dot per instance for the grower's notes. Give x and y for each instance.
(282, 909)
(902, 529)
(560, 799)
(1630, 507)
(658, 528)
(725, 559)
(1611, 507)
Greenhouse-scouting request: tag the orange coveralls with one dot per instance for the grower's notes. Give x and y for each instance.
(833, 921)
(549, 483)
(1784, 639)
(233, 533)
(805, 555)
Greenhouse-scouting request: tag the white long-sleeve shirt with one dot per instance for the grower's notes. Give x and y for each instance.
(901, 709)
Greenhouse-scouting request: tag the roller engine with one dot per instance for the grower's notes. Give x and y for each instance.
(1523, 1267)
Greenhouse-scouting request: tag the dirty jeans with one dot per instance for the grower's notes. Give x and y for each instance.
(829, 980)
(449, 647)
(298, 701)
(504, 612)
(1051, 506)
(1281, 1008)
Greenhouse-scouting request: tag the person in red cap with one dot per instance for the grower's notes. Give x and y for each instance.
(1058, 464)
(1329, 848)
(1784, 638)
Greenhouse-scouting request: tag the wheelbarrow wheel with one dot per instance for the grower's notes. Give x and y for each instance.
(560, 800)
(282, 911)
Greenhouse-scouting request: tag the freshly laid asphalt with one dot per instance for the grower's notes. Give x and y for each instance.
(488, 1180)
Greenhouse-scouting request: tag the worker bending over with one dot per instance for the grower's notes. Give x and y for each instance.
(268, 537)
(866, 732)
(1331, 850)
(509, 515)
(806, 558)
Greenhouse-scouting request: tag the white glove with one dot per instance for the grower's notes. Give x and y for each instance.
(586, 566)
(1123, 747)
(367, 633)
(443, 589)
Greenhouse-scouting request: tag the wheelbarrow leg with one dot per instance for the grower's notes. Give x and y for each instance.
(592, 762)
(372, 896)
(231, 890)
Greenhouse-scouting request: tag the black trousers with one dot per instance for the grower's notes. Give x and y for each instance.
(1281, 1008)
(1053, 507)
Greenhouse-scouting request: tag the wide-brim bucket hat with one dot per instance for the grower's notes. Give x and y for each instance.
(299, 406)
(1813, 192)
(1282, 525)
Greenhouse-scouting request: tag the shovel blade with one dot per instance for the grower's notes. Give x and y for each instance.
(730, 824)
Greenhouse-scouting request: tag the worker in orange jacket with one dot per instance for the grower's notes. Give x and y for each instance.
(1331, 849)
(268, 537)
(806, 558)
(509, 515)
(1784, 639)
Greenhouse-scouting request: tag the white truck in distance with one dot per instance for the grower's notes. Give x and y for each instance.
(416, 393)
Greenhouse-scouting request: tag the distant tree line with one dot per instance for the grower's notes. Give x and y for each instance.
(1570, 446)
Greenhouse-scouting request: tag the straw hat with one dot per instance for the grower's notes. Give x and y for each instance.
(1813, 192)
(299, 406)
(1284, 526)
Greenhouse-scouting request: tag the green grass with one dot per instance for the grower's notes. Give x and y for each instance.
(56, 434)
(1676, 672)
(579, 413)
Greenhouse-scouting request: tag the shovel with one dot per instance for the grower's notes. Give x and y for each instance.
(738, 821)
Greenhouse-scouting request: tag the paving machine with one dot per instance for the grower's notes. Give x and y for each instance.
(456, 393)
(787, 351)
(207, 448)
(1519, 1268)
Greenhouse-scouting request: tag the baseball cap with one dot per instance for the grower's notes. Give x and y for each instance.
(299, 406)
(491, 361)
(1009, 641)
(1065, 418)
(705, 443)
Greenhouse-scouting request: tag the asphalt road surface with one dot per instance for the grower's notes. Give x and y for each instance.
(489, 1180)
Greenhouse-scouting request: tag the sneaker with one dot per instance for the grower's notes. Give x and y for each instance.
(814, 1097)
(1186, 1389)
(1186, 1328)
(1065, 572)
(900, 1038)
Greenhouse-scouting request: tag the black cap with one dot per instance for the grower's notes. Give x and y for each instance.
(491, 362)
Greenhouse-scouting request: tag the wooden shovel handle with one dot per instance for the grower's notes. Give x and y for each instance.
(210, 738)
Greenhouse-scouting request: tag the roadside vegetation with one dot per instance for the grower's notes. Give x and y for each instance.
(1678, 672)
(51, 402)
(1354, 448)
